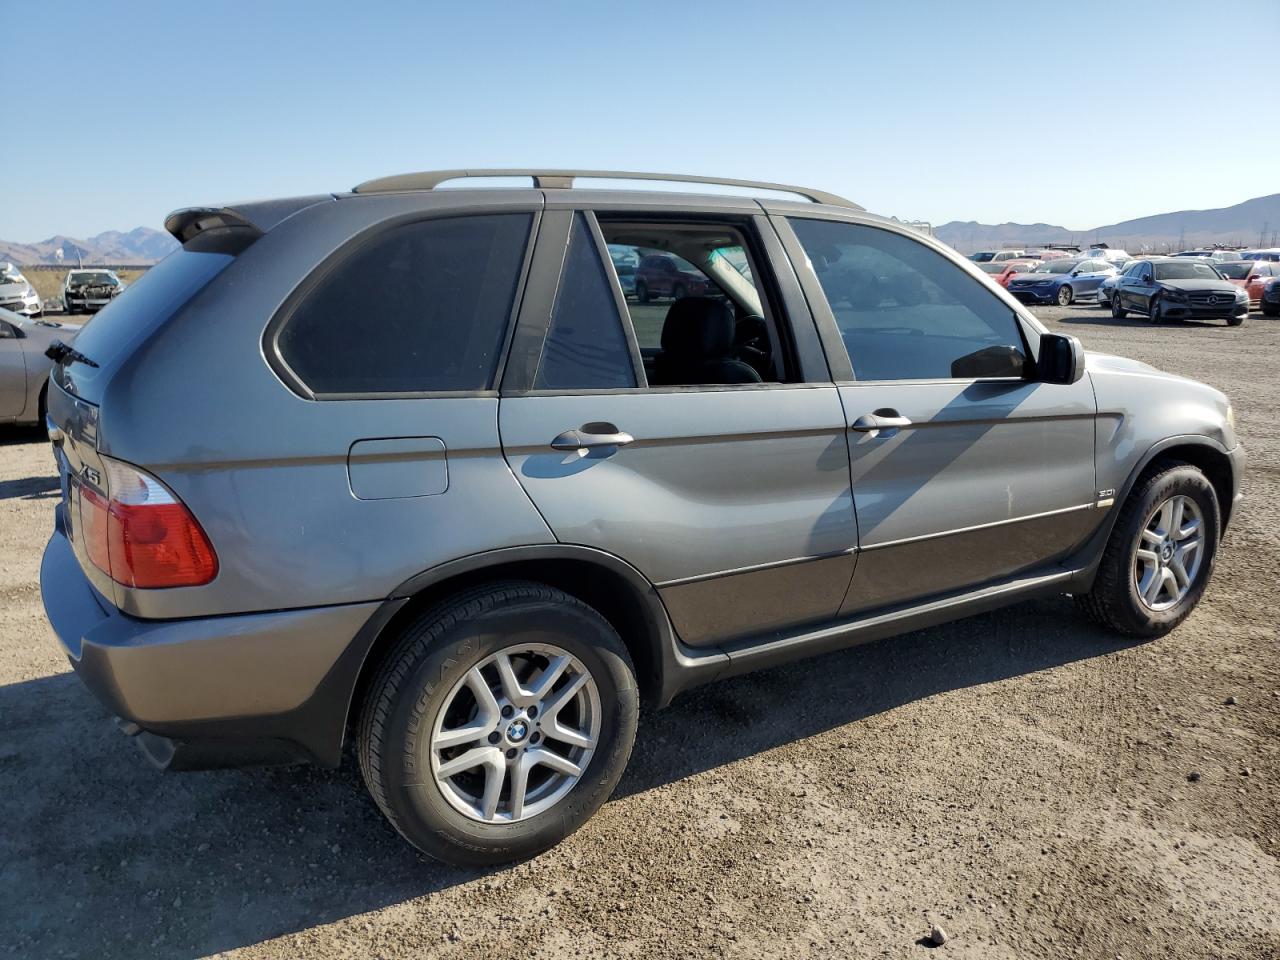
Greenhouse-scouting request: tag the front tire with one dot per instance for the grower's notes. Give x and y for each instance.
(1160, 557)
(1118, 311)
(1065, 295)
(1155, 312)
(499, 723)
(642, 291)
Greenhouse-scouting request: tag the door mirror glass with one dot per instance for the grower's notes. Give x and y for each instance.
(1061, 359)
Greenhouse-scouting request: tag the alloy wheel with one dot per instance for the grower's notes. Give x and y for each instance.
(516, 733)
(1169, 552)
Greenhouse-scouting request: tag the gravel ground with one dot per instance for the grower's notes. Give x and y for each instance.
(1020, 779)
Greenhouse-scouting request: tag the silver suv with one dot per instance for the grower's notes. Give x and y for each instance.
(404, 467)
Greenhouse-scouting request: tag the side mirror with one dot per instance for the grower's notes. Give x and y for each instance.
(1061, 359)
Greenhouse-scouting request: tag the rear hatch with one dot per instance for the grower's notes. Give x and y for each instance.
(80, 381)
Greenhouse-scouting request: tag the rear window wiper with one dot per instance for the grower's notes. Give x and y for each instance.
(60, 352)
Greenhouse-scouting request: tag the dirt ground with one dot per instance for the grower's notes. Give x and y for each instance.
(1020, 778)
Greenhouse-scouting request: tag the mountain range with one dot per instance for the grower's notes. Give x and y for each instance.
(1251, 223)
(139, 246)
(1254, 222)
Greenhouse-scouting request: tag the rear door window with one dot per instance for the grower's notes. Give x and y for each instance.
(585, 347)
(421, 308)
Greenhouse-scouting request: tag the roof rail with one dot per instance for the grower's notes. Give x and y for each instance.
(563, 180)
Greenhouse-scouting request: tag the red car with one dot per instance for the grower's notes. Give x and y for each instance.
(662, 275)
(1002, 271)
(1250, 274)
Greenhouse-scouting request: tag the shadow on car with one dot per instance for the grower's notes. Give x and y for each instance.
(191, 864)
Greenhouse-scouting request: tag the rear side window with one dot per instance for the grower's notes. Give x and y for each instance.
(904, 311)
(585, 346)
(423, 307)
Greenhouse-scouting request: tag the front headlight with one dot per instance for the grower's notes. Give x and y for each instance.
(1242, 293)
(1173, 293)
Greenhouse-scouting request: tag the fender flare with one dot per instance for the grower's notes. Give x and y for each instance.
(674, 666)
(1098, 541)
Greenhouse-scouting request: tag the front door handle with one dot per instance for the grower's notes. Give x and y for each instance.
(591, 436)
(886, 419)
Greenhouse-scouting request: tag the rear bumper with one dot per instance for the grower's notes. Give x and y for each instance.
(213, 691)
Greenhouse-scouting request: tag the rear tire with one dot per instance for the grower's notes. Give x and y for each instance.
(677, 292)
(1065, 295)
(1116, 601)
(426, 690)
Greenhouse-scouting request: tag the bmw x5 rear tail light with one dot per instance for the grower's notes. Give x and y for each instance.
(141, 535)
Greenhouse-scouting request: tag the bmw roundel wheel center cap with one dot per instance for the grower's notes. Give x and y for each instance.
(517, 730)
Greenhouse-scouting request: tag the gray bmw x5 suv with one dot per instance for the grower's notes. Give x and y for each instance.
(404, 468)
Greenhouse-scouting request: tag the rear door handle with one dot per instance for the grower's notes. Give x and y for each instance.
(880, 420)
(591, 436)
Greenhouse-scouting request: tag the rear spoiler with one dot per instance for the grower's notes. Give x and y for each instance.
(231, 229)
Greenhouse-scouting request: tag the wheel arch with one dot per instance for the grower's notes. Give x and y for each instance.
(608, 584)
(1202, 452)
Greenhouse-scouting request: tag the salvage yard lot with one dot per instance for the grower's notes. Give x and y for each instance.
(1020, 778)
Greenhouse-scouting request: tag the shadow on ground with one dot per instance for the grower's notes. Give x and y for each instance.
(101, 856)
(12, 436)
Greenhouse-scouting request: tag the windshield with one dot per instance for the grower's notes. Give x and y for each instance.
(1236, 270)
(1186, 270)
(10, 274)
(1057, 266)
(94, 277)
(983, 256)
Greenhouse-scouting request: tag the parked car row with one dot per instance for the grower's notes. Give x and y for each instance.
(1194, 284)
(85, 290)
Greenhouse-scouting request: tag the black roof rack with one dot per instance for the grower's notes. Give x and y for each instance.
(564, 179)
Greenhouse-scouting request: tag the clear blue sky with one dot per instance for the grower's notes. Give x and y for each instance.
(1068, 111)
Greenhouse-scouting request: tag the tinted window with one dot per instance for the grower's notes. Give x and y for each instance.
(585, 346)
(145, 306)
(421, 307)
(904, 311)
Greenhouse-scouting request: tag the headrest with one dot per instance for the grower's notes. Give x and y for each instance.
(698, 327)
